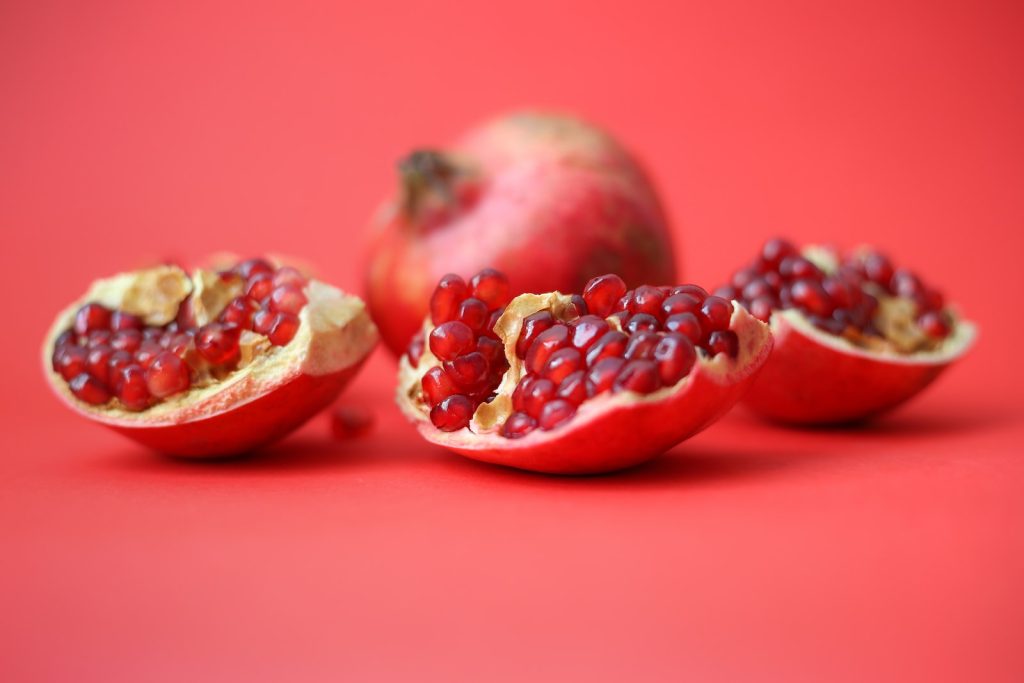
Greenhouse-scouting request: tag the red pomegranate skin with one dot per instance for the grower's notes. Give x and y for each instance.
(547, 199)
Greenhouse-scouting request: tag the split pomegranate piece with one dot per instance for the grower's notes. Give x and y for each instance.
(212, 363)
(855, 335)
(569, 390)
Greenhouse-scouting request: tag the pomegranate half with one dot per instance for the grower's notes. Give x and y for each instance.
(548, 199)
(575, 384)
(208, 363)
(854, 335)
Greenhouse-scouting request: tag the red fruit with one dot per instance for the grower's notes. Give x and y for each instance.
(157, 376)
(491, 287)
(350, 422)
(647, 299)
(218, 343)
(259, 286)
(287, 299)
(715, 313)
(444, 302)
(450, 340)
(688, 325)
(629, 396)
(601, 294)
(548, 200)
(854, 337)
(533, 325)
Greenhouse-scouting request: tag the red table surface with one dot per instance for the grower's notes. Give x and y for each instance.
(131, 131)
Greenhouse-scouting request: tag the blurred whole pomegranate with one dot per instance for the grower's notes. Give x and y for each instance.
(548, 199)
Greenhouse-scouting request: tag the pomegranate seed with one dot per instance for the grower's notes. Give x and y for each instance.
(642, 322)
(602, 375)
(838, 291)
(444, 302)
(639, 376)
(742, 278)
(217, 343)
(118, 361)
(179, 343)
(574, 388)
(727, 292)
(492, 322)
(546, 343)
(437, 385)
(167, 375)
(65, 338)
(577, 308)
(450, 340)
(263, 321)
(774, 250)
(126, 340)
(283, 329)
(152, 334)
(286, 275)
(71, 361)
(611, 344)
(647, 299)
(87, 388)
(474, 313)
(761, 309)
(812, 297)
(602, 292)
(350, 422)
(830, 325)
(798, 268)
(641, 345)
(533, 325)
(518, 425)
(934, 324)
(555, 413)
(687, 324)
(878, 268)
(696, 291)
(92, 317)
(491, 287)
(415, 350)
(97, 363)
(452, 414)
(533, 395)
(492, 350)
(715, 313)
(120, 320)
(287, 299)
(259, 286)
(469, 371)
(929, 300)
(680, 303)
(905, 284)
(131, 388)
(240, 312)
(587, 330)
(675, 356)
(253, 266)
(724, 341)
(147, 352)
(561, 364)
(757, 289)
(99, 338)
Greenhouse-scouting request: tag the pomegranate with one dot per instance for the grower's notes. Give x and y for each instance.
(207, 364)
(854, 334)
(549, 200)
(576, 384)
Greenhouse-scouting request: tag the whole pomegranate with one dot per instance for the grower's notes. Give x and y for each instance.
(547, 199)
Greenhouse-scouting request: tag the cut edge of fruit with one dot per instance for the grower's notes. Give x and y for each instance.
(335, 332)
(964, 333)
(484, 430)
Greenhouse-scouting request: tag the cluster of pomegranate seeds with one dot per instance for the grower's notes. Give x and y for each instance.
(606, 340)
(463, 339)
(110, 354)
(843, 302)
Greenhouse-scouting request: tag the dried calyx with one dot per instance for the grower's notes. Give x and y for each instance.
(530, 364)
(860, 296)
(168, 332)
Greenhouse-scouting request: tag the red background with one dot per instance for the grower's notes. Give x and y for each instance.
(131, 130)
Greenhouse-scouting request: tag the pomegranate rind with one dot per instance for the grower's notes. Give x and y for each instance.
(609, 432)
(277, 391)
(816, 378)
